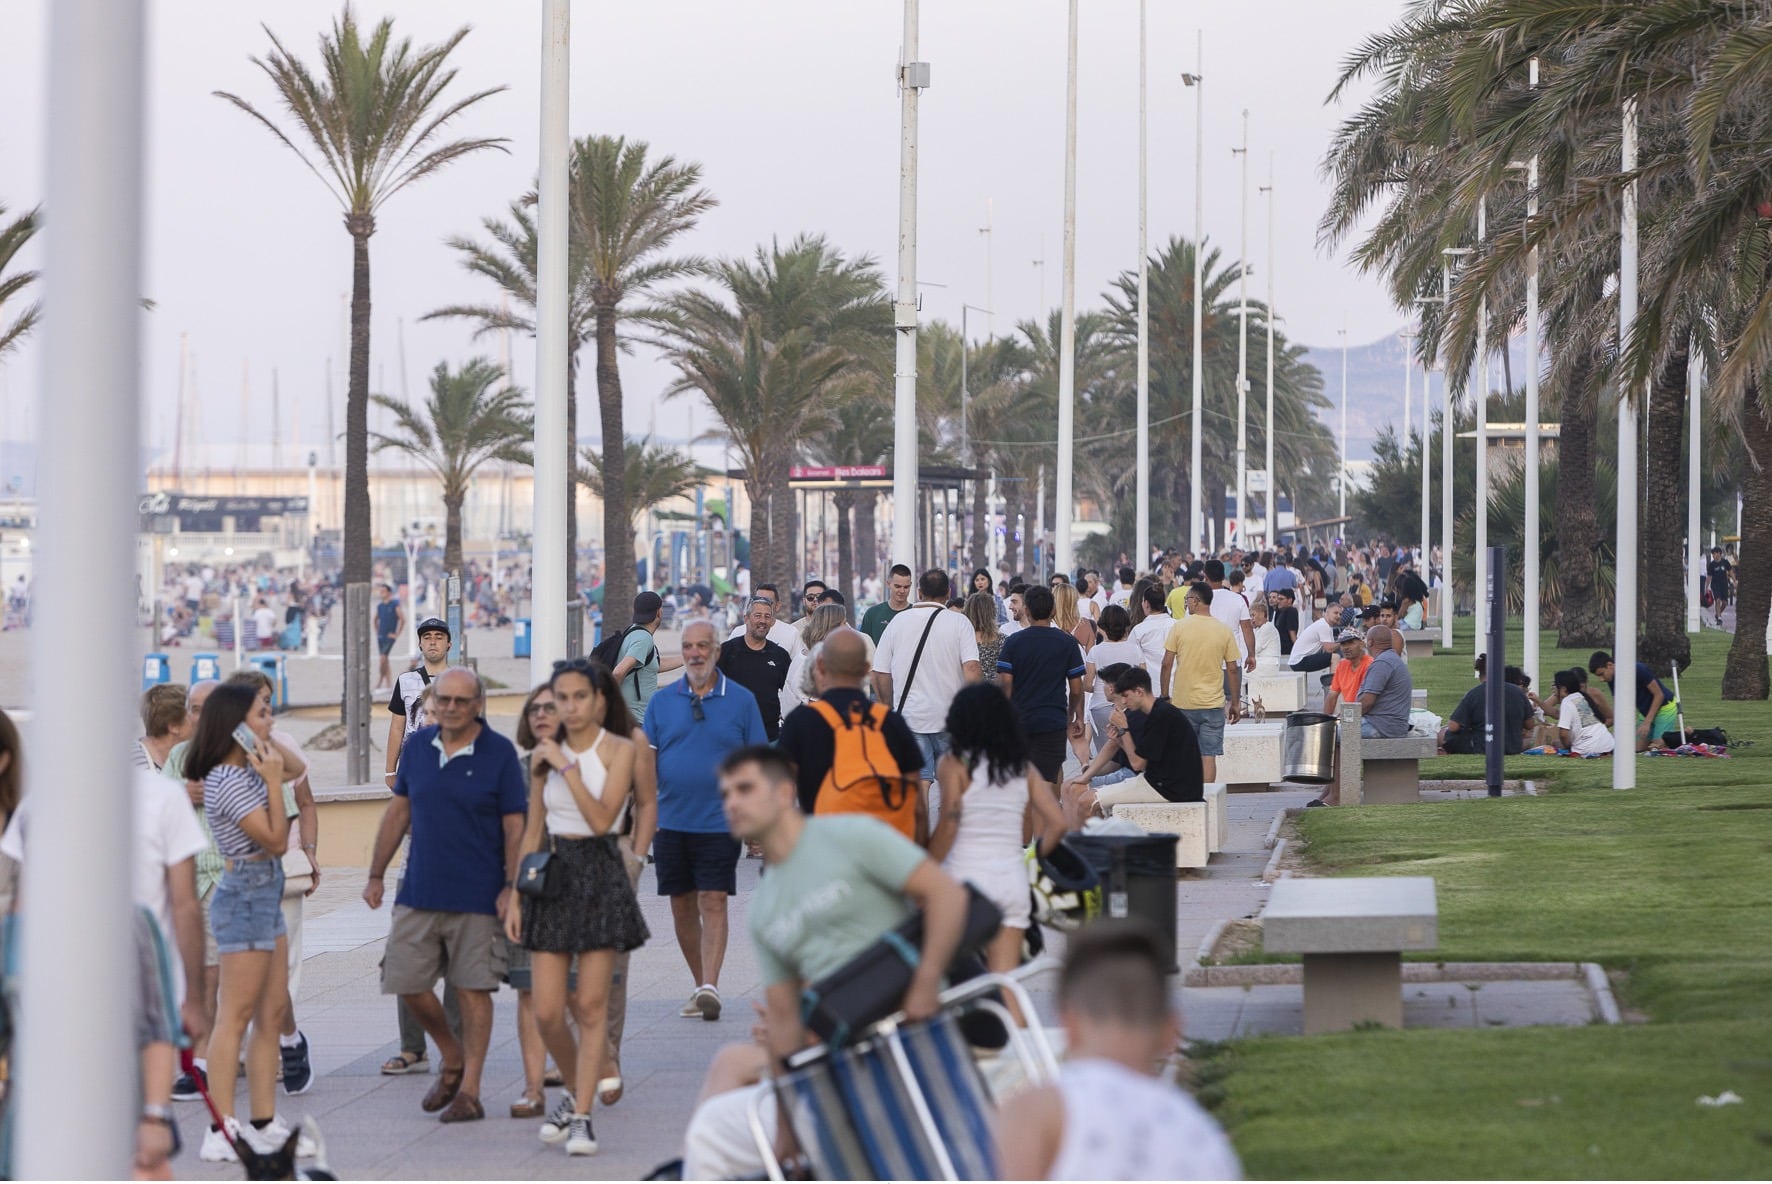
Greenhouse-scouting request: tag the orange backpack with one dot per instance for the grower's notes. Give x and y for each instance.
(864, 777)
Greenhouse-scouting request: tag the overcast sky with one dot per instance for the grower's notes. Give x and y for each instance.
(790, 106)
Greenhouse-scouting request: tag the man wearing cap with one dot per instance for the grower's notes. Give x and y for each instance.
(638, 663)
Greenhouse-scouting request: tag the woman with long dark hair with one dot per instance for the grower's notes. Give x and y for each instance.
(538, 721)
(243, 802)
(992, 802)
(981, 582)
(580, 793)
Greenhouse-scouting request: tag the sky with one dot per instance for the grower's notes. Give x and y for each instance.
(790, 107)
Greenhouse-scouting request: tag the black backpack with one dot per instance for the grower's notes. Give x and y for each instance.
(608, 652)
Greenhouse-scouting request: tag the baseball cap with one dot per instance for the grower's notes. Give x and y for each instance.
(434, 625)
(1349, 634)
(647, 606)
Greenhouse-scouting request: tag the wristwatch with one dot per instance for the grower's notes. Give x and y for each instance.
(153, 1112)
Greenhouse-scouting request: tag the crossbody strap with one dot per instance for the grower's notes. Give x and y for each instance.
(917, 658)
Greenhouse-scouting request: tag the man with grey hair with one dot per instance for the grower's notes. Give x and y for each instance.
(758, 664)
(460, 790)
(692, 725)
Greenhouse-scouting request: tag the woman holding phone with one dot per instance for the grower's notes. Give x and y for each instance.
(581, 786)
(242, 769)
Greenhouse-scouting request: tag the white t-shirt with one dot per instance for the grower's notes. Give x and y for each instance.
(1122, 1125)
(166, 834)
(264, 622)
(193, 587)
(1587, 735)
(1267, 646)
(1121, 595)
(1106, 653)
(781, 633)
(1257, 581)
(1230, 608)
(1315, 637)
(939, 675)
(1150, 634)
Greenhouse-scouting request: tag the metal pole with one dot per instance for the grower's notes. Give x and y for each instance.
(1408, 382)
(1342, 512)
(1694, 461)
(1196, 518)
(1624, 643)
(552, 583)
(1427, 383)
(1243, 345)
(75, 991)
(1480, 392)
(1494, 687)
(1142, 457)
(1530, 559)
(1063, 506)
(1273, 484)
(965, 391)
(912, 77)
(1446, 421)
(990, 299)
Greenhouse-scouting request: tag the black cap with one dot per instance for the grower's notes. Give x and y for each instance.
(647, 606)
(434, 625)
(1370, 612)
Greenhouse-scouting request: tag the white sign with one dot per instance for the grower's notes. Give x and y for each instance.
(1257, 480)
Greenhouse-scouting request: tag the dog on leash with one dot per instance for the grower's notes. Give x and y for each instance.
(280, 1164)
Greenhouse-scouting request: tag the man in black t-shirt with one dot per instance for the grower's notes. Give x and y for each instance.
(1719, 574)
(1285, 614)
(1165, 752)
(806, 736)
(757, 664)
(1464, 732)
(1041, 670)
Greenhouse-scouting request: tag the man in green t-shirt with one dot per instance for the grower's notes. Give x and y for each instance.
(898, 598)
(835, 884)
(638, 664)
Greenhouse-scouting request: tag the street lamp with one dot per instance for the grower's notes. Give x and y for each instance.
(913, 76)
(965, 385)
(1343, 482)
(1449, 253)
(1063, 503)
(1142, 445)
(1242, 341)
(1267, 500)
(553, 577)
(1197, 81)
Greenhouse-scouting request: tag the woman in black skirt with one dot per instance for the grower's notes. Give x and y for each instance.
(580, 791)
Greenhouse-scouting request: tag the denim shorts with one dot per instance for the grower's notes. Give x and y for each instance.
(1208, 727)
(246, 908)
(934, 746)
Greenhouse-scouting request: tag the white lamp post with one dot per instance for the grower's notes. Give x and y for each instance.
(1063, 508)
(1694, 461)
(1446, 424)
(1196, 80)
(1273, 484)
(913, 76)
(1243, 345)
(1142, 458)
(1624, 643)
(1342, 512)
(1480, 392)
(1529, 561)
(552, 482)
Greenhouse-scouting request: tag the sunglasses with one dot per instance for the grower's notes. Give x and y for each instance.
(585, 666)
(542, 709)
(695, 710)
(453, 700)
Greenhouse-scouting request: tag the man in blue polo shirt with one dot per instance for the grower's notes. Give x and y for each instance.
(460, 790)
(693, 724)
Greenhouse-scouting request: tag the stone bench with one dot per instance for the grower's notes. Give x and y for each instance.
(1379, 772)
(1352, 933)
(1187, 821)
(1217, 825)
(1419, 643)
(1253, 754)
(1280, 690)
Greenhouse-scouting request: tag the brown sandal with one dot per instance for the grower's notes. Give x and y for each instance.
(465, 1108)
(442, 1093)
(529, 1106)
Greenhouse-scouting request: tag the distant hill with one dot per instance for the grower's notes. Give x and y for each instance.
(1375, 388)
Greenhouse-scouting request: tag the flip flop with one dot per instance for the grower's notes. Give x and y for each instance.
(405, 1063)
(529, 1107)
(609, 1090)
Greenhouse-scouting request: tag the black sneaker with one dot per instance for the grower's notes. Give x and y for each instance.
(186, 1090)
(298, 1073)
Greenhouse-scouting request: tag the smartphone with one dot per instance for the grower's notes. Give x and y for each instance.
(247, 739)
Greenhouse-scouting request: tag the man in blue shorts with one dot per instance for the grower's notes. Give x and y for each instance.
(390, 619)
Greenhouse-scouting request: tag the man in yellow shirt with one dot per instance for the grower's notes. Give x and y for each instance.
(1200, 662)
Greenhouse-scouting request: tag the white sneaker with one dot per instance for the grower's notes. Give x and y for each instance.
(692, 1009)
(272, 1138)
(216, 1148)
(557, 1125)
(707, 1002)
(579, 1139)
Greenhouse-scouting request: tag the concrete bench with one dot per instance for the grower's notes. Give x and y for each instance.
(1187, 821)
(1352, 933)
(1279, 690)
(1419, 643)
(1217, 825)
(1253, 754)
(1379, 772)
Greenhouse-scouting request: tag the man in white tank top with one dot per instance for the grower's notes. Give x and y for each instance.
(1108, 1117)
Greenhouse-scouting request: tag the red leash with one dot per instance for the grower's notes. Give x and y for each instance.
(187, 1061)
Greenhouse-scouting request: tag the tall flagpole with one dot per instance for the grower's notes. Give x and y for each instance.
(1142, 555)
(912, 77)
(1063, 501)
(552, 482)
(1624, 643)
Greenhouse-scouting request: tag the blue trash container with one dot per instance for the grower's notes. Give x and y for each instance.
(520, 638)
(272, 667)
(205, 668)
(156, 669)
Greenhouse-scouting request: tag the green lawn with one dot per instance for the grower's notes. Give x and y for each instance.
(1670, 883)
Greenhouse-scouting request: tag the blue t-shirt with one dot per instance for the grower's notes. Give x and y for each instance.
(1042, 661)
(1646, 684)
(456, 862)
(387, 617)
(690, 750)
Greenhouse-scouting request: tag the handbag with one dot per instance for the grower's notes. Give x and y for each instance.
(871, 986)
(539, 874)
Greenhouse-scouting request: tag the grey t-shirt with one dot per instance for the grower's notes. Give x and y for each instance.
(639, 684)
(1388, 678)
(842, 887)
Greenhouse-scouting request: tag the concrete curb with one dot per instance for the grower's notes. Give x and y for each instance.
(1280, 817)
(1292, 974)
(1604, 1001)
(1272, 869)
(1209, 943)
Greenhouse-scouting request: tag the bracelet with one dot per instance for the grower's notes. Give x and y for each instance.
(152, 1112)
(310, 847)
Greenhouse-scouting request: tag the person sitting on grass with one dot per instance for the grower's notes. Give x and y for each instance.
(1109, 1117)
(1464, 731)
(1579, 728)
(1658, 712)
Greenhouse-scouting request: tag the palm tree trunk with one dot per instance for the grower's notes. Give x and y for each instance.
(618, 519)
(1663, 616)
(844, 501)
(781, 524)
(452, 531)
(981, 508)
(1745, 676)
(756, 487)
(867, 533)
(1584, 623)
(359, 522)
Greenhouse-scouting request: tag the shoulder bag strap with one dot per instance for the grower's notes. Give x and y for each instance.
(917, 658)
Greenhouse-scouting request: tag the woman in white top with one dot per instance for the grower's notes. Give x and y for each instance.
(1116, 625)
(992, 802)
(1578, 729)
(1150, 632)
(580, 787)
(1267, 638)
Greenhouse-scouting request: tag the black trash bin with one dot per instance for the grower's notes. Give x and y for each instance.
(1137, 875)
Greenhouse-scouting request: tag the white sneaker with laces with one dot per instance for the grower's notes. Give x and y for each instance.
(272, 1138)
(707, 1002)
(216, 1148)
(579, 1139)
(692, 1009)
(557, 1125)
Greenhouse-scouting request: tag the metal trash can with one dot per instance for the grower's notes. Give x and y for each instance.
(520, 638)
(1309, 752)
(1137, 875)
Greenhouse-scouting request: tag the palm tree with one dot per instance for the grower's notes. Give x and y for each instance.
(13, 236)
(784, 342)
(367, 124)
(859, 433)
(627, 212)
(652, 473)
(468, 420)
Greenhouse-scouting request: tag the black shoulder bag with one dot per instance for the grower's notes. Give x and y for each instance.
(538, 875)
(917, 658)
